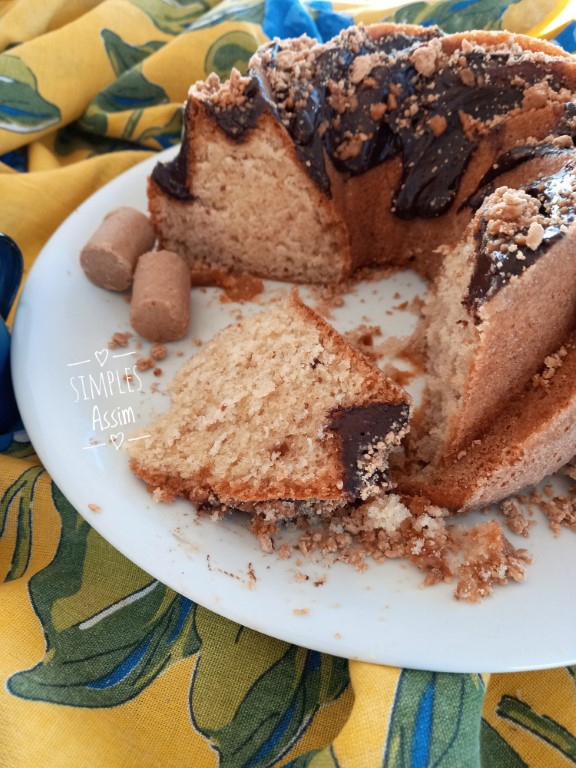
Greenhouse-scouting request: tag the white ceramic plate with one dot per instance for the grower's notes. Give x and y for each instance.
(62, 328)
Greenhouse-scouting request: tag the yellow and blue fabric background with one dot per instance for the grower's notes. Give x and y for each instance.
(101, 666)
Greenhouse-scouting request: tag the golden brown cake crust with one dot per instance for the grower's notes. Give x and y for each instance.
(534, 437)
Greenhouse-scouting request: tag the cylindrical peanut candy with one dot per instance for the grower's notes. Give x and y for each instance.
(160, 308)
(109, 257)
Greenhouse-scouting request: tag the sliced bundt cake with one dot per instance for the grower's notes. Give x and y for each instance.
(532, 438)
(358, 151)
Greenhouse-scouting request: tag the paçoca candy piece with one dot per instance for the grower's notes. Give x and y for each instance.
(160, 308)
(109, 257)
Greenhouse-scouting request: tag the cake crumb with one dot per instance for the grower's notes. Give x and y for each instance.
(119, 339)
(561, 513)
(299, 576)
(535, 235)
(284, 552)
(327, 298)
(438, 124)
(158, 352)
(551, 364)
(144, 363)
(362, 338)
(94, 508)
(240, 288)
(490, 559)
(411, 529)
(516, 520)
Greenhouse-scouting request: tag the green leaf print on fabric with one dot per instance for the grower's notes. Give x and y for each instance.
(72, 139)
(435, 721)
(19, 449)
(543, 727)
(108, 639)
(249, 11)
(233, 49)
(22, 108)
(17, 501)
(174, 16)
(496, 751)
(163, 136)
(454, 15)
(278, 690)
(124, 56)
(132, 90)
(93, 122)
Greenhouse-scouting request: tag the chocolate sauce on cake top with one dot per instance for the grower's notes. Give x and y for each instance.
(362, 429)
(362, 101)
(517, 227)
(507, 162)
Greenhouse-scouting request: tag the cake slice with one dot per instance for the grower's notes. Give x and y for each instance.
(278, 414)
(533, 438)
(502, 302)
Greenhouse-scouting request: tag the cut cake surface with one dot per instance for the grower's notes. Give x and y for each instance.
(503, 301)
(276, 412)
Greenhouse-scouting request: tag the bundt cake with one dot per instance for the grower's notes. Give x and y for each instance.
(389, 145)
(363, 150)
(275, 415)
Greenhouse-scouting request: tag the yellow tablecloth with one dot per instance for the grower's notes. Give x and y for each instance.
(100, 665)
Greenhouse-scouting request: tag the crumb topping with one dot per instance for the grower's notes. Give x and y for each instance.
(515, 226)
(119, 339)
(551, 364)
(361, 99)
(394, 527)
(516, 519)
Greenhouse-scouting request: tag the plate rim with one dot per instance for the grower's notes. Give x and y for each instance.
(297, 631)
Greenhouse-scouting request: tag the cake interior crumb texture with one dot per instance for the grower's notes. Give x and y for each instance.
(252, 415)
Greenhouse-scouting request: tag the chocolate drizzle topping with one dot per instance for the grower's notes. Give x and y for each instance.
(395, 110)
(496, 264)
(433, 165)
(507, 162)
(172, 177)
(237, 119)
(361, 429)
